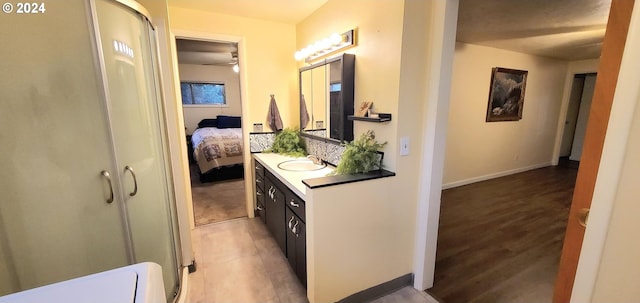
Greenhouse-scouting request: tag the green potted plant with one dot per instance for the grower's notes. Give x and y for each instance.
(360, 155)
(288, 142)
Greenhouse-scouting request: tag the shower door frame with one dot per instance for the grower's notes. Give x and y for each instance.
(100, 68)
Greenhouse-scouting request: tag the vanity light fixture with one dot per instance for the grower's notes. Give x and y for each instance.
(327, 46)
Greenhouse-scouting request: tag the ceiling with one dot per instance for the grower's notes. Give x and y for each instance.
(286, 11)
(206, 52)
(562, 29)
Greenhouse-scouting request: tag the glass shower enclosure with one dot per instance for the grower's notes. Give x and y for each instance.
(84, 175)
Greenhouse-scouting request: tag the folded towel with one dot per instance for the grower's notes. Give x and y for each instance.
(304, 114)
(273, 116)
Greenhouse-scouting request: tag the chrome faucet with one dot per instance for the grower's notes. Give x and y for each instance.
(315, 159)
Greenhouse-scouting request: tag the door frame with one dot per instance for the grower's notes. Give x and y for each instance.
(427, 213)
(611, 161)
(244, 104)
(442, 36)
(575, 68)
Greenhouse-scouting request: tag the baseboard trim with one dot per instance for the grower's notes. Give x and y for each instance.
(495, 175)
(379, 290)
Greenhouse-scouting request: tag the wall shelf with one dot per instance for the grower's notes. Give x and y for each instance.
(381, 118)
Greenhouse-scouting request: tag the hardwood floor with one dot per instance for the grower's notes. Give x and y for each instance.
(500, 240)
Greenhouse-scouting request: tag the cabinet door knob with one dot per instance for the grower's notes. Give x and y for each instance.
(291, 222)
(293, 203)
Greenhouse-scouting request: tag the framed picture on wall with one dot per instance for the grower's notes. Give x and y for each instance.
(506, 94)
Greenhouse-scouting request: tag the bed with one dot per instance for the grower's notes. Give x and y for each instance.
(217, 148)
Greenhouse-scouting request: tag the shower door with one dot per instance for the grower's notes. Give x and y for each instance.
(55, 222)
(83, 166)
(134, 107)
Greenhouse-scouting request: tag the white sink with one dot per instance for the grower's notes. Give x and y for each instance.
(300, 165)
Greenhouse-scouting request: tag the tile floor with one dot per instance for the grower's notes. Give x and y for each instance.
(239, 261)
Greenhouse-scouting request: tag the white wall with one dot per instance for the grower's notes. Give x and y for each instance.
(477, 150)
(211, 73)
(620, 266)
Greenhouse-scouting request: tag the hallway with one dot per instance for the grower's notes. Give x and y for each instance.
(500, 240)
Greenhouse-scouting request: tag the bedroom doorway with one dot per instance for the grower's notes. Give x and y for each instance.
(576, 119)
(211, 102)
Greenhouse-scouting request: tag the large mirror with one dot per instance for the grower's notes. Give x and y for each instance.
(326, 98)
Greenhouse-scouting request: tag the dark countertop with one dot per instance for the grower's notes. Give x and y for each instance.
(342, 179)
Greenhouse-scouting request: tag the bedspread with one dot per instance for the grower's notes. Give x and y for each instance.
(215, 147)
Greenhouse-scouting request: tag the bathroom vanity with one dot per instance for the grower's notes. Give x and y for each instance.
(340, 234)
(281, 207)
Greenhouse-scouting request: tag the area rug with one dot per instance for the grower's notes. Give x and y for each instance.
(218, 201)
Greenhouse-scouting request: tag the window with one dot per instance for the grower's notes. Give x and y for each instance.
(200, 93)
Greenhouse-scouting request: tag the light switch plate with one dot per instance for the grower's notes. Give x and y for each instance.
(404, 146)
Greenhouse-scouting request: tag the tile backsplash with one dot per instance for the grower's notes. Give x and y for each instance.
(328, 151)
(260, 141)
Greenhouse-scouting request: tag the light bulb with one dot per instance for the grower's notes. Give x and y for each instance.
(236, 68)
(335, 39)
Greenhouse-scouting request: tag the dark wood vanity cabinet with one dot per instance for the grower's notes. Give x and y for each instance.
(284, 215)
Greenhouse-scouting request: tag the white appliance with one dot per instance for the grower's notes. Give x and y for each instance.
(138, 283)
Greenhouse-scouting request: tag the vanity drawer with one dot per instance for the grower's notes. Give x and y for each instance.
(259, 195)
(259, 169)
(296, 204)
(260, 211)
(260, 183)
(259, 173)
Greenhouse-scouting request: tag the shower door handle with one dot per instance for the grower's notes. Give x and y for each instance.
(107, 176)
(135, 181)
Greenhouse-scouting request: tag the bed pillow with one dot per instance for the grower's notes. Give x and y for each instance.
(229, 122)
(208, 123)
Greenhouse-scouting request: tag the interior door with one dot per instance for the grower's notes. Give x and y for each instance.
(135, 116)
(572, 115)
(612, 49)
(55, 222)
(582, 118)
